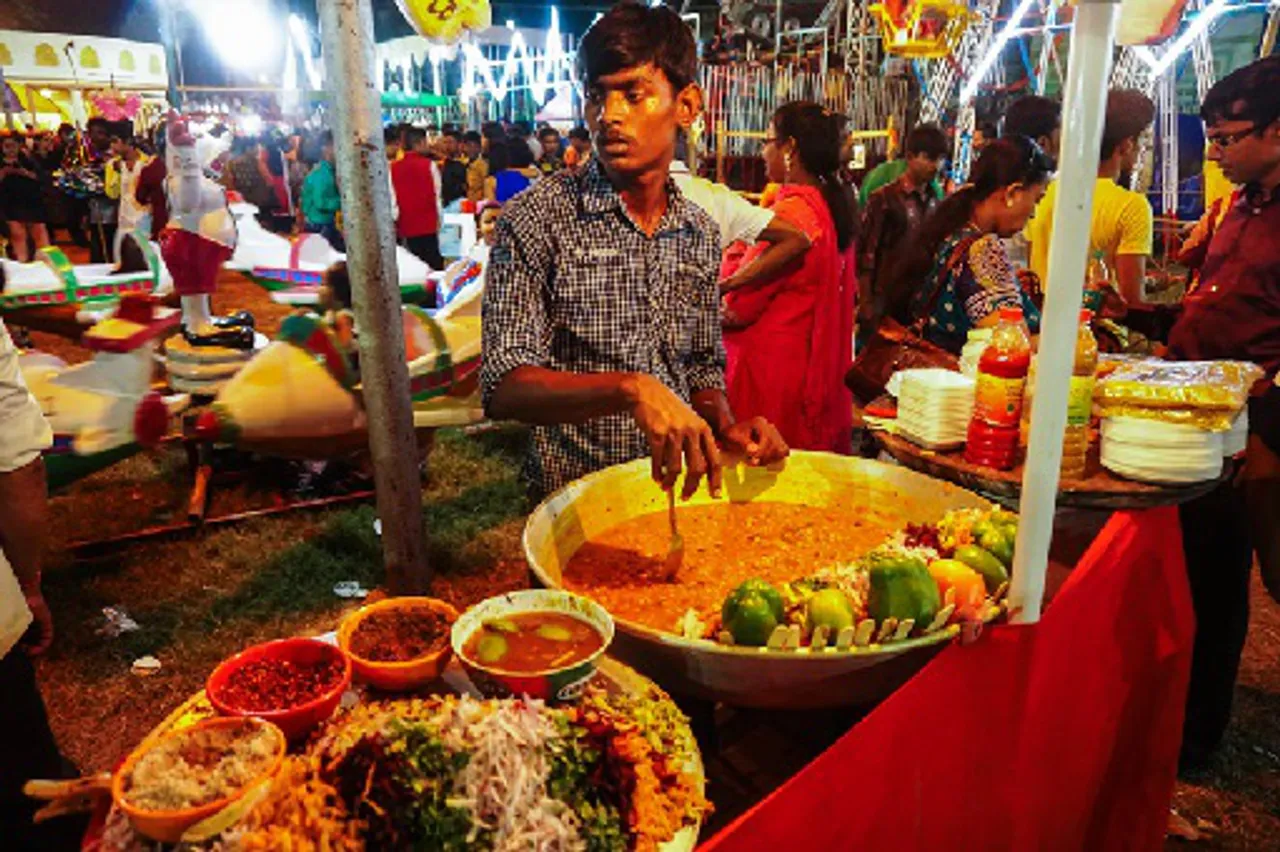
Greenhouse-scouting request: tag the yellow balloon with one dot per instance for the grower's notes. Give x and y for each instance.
(444, 21)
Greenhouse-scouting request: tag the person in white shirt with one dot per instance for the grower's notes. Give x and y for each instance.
(27, 746)
(122, 183)
(742, 221)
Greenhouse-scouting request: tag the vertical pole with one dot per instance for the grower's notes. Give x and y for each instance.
(172, 54)
(1083, 109)
(347, 33)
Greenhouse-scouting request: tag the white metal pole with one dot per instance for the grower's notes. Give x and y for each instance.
(1084, 107)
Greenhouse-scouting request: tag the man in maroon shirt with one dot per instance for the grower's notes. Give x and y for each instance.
(415, 179)
(1235, 314)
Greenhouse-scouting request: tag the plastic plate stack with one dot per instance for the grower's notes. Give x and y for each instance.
(1152, 451)
(934, 408)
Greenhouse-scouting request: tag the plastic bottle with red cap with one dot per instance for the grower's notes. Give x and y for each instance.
(1001, 381)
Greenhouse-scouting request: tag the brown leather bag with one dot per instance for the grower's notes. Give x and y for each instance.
(895, 347)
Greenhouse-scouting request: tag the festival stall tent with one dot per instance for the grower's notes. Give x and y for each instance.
(67, 77)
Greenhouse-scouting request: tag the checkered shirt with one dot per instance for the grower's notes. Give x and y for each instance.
(574, 285)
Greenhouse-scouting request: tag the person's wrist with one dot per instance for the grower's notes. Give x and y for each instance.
(631, 387)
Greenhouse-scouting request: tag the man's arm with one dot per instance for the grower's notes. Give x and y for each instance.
(1136, 224)
(1131, 273)
(787, 245)
(24, 523)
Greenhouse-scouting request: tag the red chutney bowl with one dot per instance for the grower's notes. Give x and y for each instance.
(295, 721)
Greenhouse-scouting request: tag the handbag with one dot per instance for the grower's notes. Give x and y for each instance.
(893, 346)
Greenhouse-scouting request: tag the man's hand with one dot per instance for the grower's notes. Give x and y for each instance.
(676, 435)
(758, 439)
(42, 625)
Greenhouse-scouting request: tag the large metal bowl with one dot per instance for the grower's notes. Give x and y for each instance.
(751, 677)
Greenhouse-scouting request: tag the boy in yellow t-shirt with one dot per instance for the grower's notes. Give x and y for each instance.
(1122, 219)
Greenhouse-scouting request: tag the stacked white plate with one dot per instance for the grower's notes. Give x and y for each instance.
(934, 408)
(1152, 451)
(1235, 440)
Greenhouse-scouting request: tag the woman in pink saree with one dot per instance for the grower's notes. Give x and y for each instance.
(790, 340)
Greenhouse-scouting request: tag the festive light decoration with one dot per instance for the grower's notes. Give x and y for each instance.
(923, 29)
(993, 52)
(1165, 61)
(556, 67)
(115, 106)
(444, 21)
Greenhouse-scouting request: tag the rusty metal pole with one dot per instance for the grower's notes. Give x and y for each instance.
(347, 33)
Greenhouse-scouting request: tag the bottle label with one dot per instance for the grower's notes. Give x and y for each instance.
(1080, 400)
(998, 401)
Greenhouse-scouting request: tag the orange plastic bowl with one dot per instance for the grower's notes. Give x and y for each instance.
(169, 826)
(402, 675)
(294, 721)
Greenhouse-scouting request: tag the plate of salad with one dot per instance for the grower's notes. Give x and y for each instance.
(618, 771)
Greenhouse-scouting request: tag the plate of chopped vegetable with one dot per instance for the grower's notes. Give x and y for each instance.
(618, 771)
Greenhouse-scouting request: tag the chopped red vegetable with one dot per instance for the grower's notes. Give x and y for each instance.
(266, 686)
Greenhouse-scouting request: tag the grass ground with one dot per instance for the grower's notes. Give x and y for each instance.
(200, 598)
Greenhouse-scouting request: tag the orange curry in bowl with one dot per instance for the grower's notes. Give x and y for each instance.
(725, 543)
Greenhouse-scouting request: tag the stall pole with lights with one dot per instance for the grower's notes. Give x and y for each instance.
(347, 35)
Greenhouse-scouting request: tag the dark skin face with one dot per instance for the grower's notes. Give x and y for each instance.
(634, 115)
(923, 168)
(99, 138)
(1247, 154)
(471, 149)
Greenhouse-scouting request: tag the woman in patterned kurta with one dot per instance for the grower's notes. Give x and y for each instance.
(977, 280)
(957, 275)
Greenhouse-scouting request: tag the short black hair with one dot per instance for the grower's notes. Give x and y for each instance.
(472, 137)
(325, 139)
(1251, 93)
(339, 282)
(391, 134)
(500, 156)
(580, 132)
(630, 35)
(451, 133)
(548, 131)
(1129, 113)
(492, 130)
(987, 129)
(1033, 117)
(519, 153)
(98, 121)
(524, 128)
(413, 136)
(928, 139)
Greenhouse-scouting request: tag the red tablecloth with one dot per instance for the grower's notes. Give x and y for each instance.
(1062, 735)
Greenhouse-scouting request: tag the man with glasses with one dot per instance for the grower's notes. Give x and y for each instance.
(1235, 314)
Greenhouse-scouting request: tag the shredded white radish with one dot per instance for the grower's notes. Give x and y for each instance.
(504, 784)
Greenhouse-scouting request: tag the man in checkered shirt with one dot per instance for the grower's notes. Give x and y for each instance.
(601, 310)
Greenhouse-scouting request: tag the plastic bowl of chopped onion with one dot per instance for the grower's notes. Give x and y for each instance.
(168, 785)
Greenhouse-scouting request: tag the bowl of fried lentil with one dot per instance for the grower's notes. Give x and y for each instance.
(294, 683)
(172, 783)
(399, 644)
